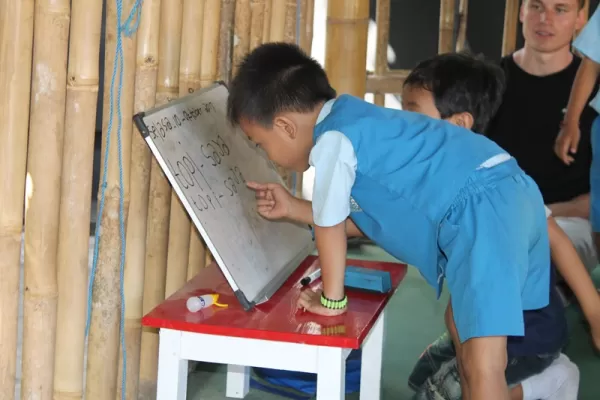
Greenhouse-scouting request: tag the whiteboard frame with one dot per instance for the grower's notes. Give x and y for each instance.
(265, 293)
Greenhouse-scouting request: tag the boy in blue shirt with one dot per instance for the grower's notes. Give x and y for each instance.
(467, 91)
(430, 193)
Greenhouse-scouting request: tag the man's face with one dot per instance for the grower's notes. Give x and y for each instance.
(549, 25)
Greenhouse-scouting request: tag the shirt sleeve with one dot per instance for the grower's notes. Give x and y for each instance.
(548, 212)
(587, 40)
(334, 160)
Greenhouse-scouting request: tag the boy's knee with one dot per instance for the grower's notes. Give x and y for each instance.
(484, 357)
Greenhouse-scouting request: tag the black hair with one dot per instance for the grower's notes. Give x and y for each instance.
(274, 78)
(460, 83)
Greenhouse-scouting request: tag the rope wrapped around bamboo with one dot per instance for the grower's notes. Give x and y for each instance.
(144, 98)
(104, 330)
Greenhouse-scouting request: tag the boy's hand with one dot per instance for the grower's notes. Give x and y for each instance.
(273, 201)
(567, 142)
(311, 301)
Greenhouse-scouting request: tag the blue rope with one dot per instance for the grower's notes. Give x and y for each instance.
(128, 30)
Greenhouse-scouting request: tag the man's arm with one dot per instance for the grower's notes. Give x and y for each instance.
(571, 268)
(302, 212)
(577, 207)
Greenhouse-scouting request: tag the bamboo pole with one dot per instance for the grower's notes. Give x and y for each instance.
(382, 19)
(159, 203)
(446, 29)
(144, 98)
(180, 223)
(103, 341)
(224, 64)
(16, 44)
(347, 24)
(208, 75)
(511, 20)
(257, 23)
(51, 33)
(241, 31)
(463, 10)
(75, 203)
(289, 33)
(278, 11)
(267, 21)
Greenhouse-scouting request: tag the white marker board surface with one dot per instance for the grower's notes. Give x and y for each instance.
(207, 161)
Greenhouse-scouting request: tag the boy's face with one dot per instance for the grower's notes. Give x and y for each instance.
(417, 99)
(285, 143)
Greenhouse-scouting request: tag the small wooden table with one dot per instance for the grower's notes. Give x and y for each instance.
(272, 335)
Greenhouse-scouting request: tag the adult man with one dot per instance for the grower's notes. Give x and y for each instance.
(539, 79)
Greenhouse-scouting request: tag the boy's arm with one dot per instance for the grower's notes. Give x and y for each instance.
(335, 164)
(571, 268)
(302, 212)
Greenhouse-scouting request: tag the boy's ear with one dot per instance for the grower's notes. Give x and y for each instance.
(464, 119)
(286, 126)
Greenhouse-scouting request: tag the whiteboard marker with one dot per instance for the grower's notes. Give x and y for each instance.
(197, 303)
(312, 277)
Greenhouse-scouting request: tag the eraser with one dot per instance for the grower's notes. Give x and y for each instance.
(367, 279)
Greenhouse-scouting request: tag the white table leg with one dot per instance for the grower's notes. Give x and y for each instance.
(331, 374)
(172, 370)
(238, 381)
(371, 361)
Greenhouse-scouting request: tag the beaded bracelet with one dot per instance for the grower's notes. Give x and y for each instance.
(334, 304)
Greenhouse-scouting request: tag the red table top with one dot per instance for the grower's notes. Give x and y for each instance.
(276, 319)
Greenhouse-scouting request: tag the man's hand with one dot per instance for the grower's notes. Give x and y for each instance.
(311, 301)
(273, 201)
(567, 142)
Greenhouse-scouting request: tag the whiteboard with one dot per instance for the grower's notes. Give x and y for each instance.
(207, 162)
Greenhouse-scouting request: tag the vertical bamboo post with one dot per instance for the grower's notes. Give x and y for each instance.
(103, 341)
(51, 35)
(278, 11)
(189, 80)
(208, 75)
(16, 43)
(135, 257)
(75, 203)
(306, 19)
(267, 21)
(224, 64)
(289, 33)
(257, 23)
(463, 10)
(159, 203)
(241, 31)
(347, 24)
(446, 30)
(382, 19)
(511, 22)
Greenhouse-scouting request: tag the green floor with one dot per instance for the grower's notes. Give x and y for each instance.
(415, 318)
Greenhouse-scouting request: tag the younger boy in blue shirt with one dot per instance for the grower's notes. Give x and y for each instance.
(467, 91)
(432, 194)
